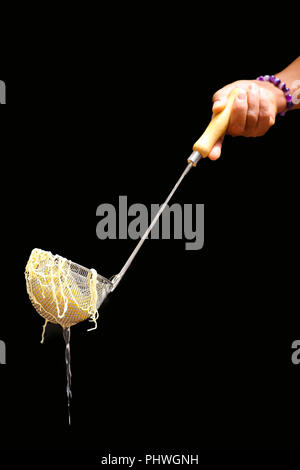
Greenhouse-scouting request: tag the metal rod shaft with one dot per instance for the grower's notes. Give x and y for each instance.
(144, 237)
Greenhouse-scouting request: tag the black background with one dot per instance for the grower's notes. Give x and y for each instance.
(193, 350)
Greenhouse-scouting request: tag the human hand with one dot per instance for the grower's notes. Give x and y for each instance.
(253, 111)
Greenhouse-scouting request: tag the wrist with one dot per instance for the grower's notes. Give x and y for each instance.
(279, 97)
(294, 86)
(291, 76)
(280, 91)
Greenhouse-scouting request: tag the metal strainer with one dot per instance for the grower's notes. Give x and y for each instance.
(66, 293)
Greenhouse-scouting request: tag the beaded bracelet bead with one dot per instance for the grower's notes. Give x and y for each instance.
(282, 86)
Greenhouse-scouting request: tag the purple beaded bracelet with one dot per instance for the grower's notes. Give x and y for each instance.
(282, 86)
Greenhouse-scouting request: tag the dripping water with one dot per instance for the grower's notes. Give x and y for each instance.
(67, 337)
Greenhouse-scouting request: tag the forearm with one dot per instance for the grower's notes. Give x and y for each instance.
(291, 76)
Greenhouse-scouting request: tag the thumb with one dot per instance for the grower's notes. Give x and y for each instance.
(215, 152)
(220, 98)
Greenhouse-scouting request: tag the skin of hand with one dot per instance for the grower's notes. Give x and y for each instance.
(254, 111)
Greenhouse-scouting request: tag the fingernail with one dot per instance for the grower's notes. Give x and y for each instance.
(215, 153)
(218, 104)
(272, 121)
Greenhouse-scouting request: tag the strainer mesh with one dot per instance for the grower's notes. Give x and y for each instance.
(64, 292)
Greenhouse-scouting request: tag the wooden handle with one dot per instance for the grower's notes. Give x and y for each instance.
(217, 127)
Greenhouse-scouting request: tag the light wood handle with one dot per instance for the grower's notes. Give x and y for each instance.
(217, 127)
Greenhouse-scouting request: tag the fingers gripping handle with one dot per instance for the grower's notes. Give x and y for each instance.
(216, 129)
